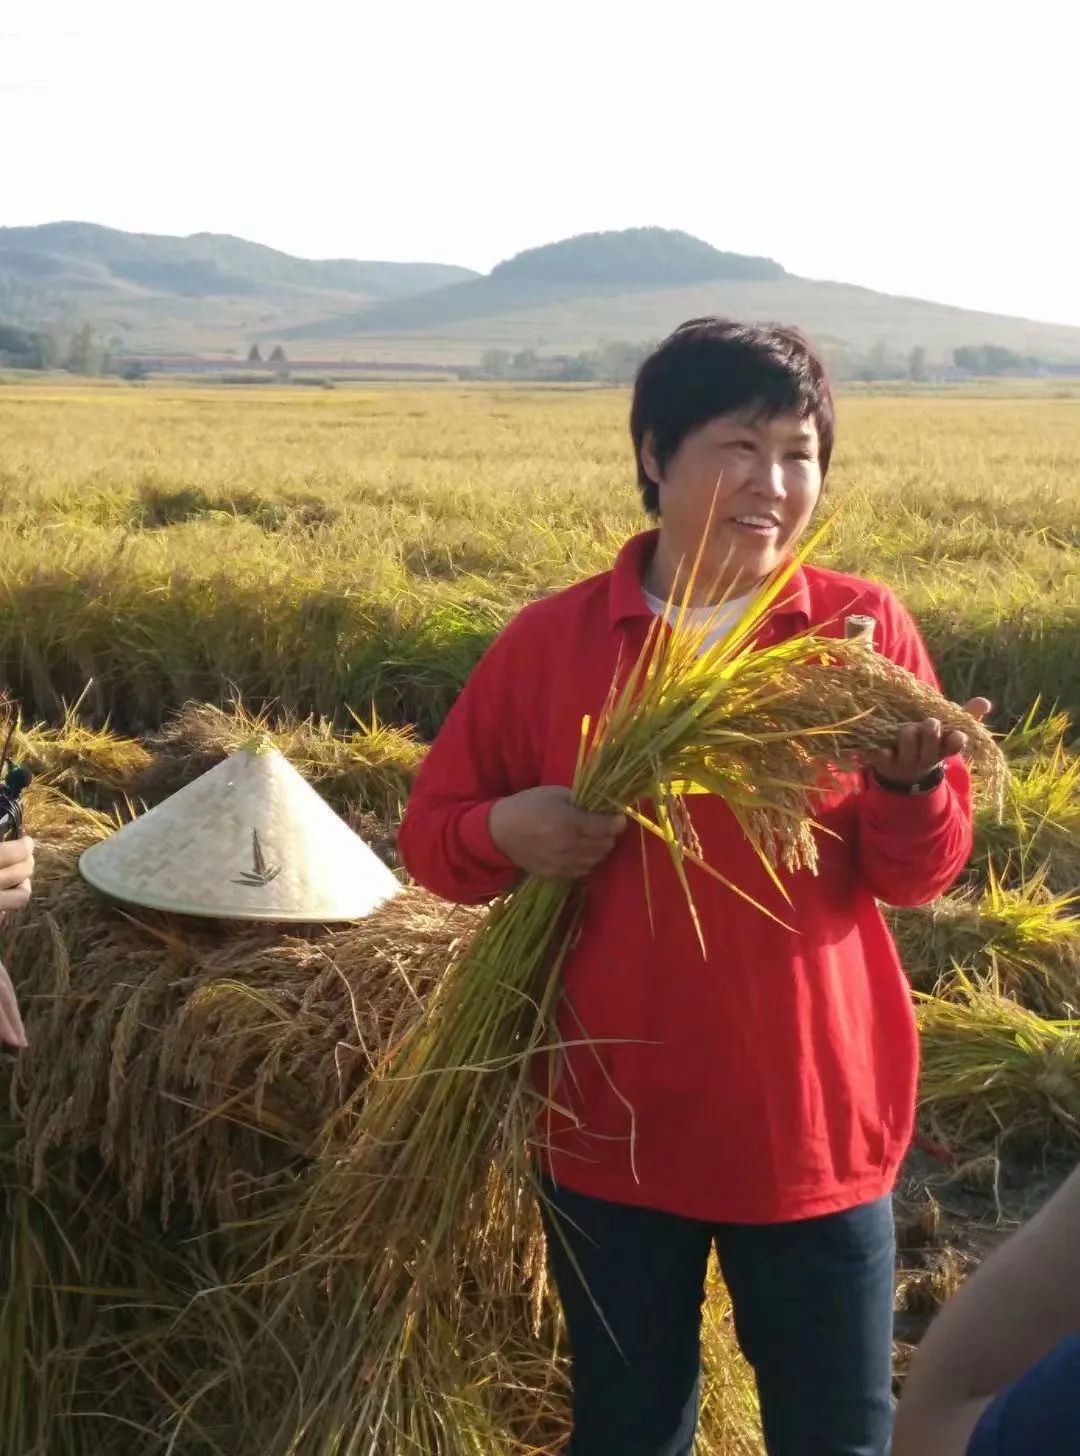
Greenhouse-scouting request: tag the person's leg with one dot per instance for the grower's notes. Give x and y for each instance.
(631, 1282)
(813, 1305)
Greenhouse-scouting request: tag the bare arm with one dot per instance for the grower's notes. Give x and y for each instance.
(16, 870)
(1022, 1303)
(11, 1027)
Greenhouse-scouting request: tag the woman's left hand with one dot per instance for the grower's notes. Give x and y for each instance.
(921, 747)
(16, 872)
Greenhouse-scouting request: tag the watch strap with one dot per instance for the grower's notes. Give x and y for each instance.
(926, 785)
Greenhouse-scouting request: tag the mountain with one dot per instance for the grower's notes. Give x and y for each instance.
(640, 283)
(646, 257)
(198, 291)
(211, 293)
(590, 265)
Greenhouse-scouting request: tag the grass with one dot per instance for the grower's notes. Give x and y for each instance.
(326, 549)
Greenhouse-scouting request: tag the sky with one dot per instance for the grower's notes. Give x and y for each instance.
(927, 149)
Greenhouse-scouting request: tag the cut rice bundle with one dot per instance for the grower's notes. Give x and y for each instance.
(208, 1055)
(991, 1069)
(209, 1067)
(1021, 938)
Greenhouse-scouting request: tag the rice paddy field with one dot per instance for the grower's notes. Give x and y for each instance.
(177, 562)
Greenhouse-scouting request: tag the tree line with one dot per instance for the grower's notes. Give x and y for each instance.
(85, 352)
(617, 363)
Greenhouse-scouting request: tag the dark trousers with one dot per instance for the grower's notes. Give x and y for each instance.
(813, 1308)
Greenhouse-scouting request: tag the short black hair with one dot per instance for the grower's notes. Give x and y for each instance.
(714, 366)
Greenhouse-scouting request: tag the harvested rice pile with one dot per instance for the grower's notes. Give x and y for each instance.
(180, 1076)
(184, 1078)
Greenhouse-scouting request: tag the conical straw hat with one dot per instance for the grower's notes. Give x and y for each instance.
(248, 840)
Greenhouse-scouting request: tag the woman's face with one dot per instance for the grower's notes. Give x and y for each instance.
(761, 480)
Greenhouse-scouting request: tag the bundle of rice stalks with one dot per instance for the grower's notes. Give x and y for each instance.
(369, 768)
(205, 1059)
(179, 1079)
(1023, 939)
(87, 1299)
(77, 759)
(761, 728)
(992, 1069)
(365, 771)
(175, 1074)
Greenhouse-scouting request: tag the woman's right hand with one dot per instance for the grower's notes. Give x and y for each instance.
(545, 833)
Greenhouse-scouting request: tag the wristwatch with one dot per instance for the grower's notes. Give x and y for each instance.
(926, 785)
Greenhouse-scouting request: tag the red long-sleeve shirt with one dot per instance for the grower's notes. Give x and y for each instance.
(774, 1079)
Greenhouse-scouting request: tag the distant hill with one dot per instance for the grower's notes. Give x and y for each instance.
(646, 257)
(639, 284)
(592, 264)
(198, 291)
(211, 293)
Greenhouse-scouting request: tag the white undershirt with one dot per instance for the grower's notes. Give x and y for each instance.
(725, 616)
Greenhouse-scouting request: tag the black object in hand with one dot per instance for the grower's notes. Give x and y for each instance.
(16, 779)
(11, 809)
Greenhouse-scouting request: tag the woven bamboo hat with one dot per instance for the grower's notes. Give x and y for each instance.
(248, 840)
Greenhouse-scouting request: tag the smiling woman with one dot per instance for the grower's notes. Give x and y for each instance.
(759, 1099)
(733, 429)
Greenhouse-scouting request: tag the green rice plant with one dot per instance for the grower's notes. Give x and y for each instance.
(296, 635)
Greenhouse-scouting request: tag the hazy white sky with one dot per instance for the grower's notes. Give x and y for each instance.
(922, 148)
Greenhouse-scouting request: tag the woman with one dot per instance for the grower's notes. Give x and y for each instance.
(759, 1099)
(16, 870)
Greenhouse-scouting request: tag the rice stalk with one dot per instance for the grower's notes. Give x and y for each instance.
(201, 1052)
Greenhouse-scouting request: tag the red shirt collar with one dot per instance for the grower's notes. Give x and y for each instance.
(626, 599)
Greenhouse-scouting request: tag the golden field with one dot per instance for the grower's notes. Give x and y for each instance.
(337, 560)
(332, 547)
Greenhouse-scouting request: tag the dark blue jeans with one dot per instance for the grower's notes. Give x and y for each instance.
(813, 1307)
